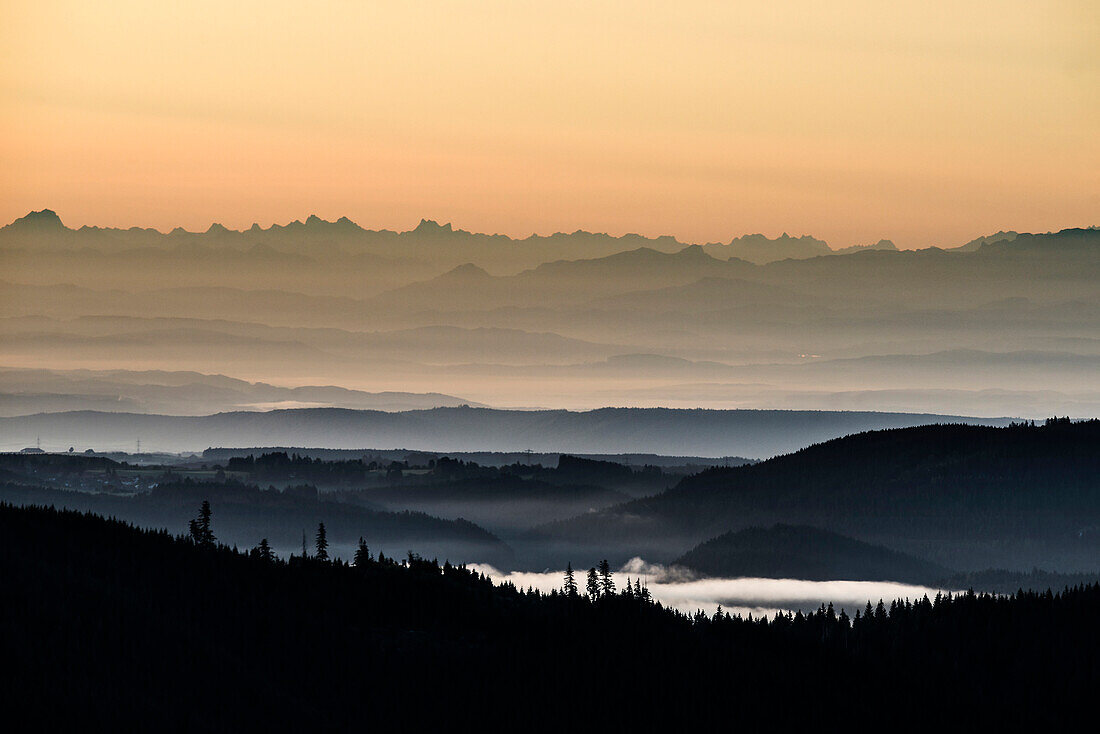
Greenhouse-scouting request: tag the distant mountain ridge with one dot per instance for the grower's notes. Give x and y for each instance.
(554, 320)
(428, 241)
(755, 248)
(28, 391)
(245, 512)
(751, 433)
(760, 250)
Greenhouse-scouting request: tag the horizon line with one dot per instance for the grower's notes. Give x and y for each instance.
(433, 226)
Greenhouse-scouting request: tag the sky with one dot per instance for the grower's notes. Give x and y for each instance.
(925, 122)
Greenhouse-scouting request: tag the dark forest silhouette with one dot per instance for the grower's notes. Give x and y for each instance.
(107, 624)
(965, 497)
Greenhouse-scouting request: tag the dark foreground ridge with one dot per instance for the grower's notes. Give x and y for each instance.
(111, 626)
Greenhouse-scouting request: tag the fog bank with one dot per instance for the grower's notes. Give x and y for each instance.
(675, 588)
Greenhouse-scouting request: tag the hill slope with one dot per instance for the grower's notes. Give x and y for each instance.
(969, 497)
(243, 514)
(135, 630)
(803, 552)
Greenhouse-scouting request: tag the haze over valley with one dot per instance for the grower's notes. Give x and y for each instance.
(1003, 326)
(392, 354)
(506, 366)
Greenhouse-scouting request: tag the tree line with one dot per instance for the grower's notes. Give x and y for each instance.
(108, 625)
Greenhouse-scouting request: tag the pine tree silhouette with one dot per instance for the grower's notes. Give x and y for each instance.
(265, 551)
(322, 543)
(570, 586)
(967, 648)
(201, 533)
(362, 554)
(593, 585)
(607, 584)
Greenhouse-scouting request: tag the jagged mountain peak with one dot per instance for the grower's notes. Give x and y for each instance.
(44, 219)
(430, 226)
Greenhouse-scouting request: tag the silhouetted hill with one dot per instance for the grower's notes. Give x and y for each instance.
(130, 630)
(562, 282)
(27, 392)
(968, 497)
(753, 433)
(977, 242)
(676, 464)
(803, 552)
(246, 513)
(503, 504)
(1078, 243)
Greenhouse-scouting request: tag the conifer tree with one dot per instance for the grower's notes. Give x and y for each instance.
(593, 585)
(880, 612)
(570, 586)
(362, 554)
(607, 584)
(322, 543)
(265, 552)
(201, 533)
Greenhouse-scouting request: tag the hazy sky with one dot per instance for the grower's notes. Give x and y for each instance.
(928, 122)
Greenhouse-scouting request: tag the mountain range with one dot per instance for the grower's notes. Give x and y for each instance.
(717, 433)
(1007, 324)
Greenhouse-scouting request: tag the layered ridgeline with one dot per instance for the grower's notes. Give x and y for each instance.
(803, 552)
(27, 391)
(807, 553)
(371, 493)
(1006, 325)
(312, 241)
(965, 497)
(717, 433)
(165, 633)
(245, 512)
(312, 245)
(400, 500)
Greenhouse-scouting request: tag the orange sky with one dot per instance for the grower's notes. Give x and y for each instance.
(927, 122)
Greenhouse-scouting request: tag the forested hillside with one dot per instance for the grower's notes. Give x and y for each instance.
(248, 513)
(802, 552)
(107, 626)
(967, 497)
